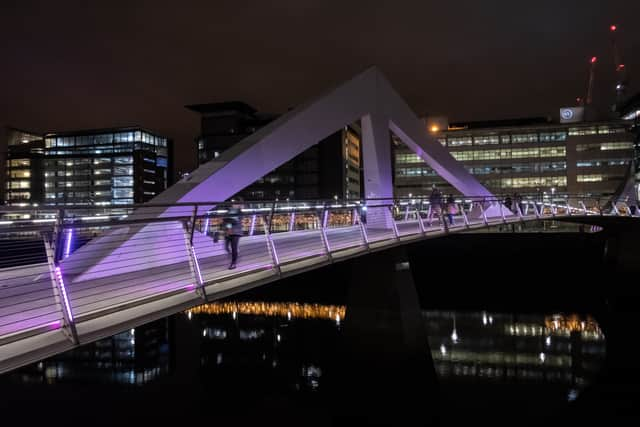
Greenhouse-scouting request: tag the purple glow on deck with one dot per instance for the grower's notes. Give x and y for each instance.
(55, 325)
(64, 294)
(190, 287)
(67, 246)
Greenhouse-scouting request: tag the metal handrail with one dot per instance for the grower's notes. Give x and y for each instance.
(138, 259)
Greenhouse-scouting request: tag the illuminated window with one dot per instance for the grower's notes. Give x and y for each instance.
(553, 152)
(523, 138)
(553, 136)
(606, 146)
(590, 178)
(582, 131)
(456, 142)
(486, 140)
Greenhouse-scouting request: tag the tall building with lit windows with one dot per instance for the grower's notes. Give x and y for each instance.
(630, 111)
(528, 156)
(331, 168)
(21, 154)
(104, 167)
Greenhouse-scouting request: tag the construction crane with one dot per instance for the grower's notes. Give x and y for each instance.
(621, 77)
(592, 68)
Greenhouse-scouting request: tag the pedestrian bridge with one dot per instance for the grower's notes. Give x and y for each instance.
(48, 307)
(77, 274)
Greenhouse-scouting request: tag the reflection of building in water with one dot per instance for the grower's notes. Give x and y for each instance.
(516, 348)
(136, 357)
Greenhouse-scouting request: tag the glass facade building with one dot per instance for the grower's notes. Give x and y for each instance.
(104, 167)
(577, 158)
(101, 167)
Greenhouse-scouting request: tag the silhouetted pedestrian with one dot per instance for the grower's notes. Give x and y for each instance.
(233, 231)
(452, 209)
(435, 200)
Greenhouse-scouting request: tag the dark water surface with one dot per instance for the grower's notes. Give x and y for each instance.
(476, 346)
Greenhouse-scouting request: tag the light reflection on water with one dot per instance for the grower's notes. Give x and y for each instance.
(558, 349)
(291, 340)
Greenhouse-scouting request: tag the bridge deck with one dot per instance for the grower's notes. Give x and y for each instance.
(31, 320)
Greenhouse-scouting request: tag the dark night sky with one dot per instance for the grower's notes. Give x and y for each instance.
(83, 64)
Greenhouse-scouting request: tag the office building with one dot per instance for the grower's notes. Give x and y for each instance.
(630, 111)
(525, 156)
(21, 167)
(330, 169)
(105, 167)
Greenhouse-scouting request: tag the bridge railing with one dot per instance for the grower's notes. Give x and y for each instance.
(62, 266)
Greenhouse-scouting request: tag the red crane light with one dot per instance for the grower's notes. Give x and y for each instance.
(593, 59)
(613, 28)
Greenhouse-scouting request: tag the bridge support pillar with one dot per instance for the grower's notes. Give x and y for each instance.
(376, 160)
(384, 359)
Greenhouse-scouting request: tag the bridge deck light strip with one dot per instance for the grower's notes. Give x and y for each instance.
(67, 246)
(64, 294)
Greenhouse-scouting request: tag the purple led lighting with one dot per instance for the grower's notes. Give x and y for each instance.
(67, 246)
(195, 262)
(206, 226)
(190, 287)
(55, 325)
(64, 293)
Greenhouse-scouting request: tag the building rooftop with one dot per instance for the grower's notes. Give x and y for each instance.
(525, 121)
(85, 132)
(524, 125)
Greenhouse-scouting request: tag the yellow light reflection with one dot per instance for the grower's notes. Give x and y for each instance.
(282, 309)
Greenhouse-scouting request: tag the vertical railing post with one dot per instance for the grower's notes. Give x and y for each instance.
(58, 236)
(273, 211)
(253, 225)
(535, 209)
(519, 211)
(484, 214)
(423, 229)
(615, 208)
(292, 221)
(584, 207)
(52, 249)
(504, 218)
(271, 247)
(194, 265)
(323, 234)
(394, 226)
(363, 231)
(464, 214)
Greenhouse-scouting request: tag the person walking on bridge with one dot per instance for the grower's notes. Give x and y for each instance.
(452, 209)
(435, 202)
(233, 231)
